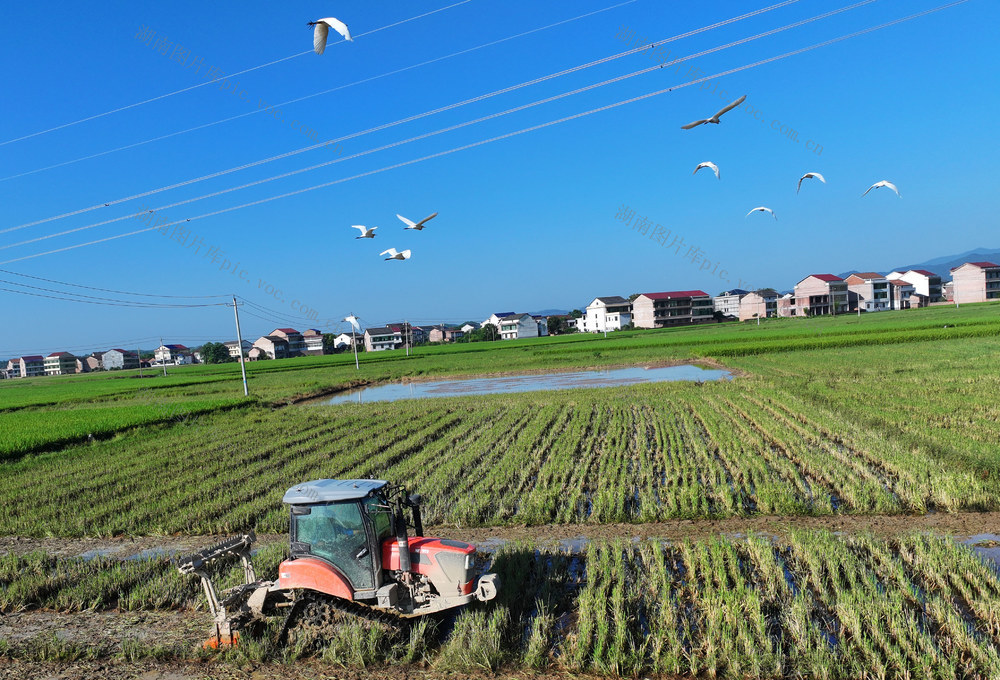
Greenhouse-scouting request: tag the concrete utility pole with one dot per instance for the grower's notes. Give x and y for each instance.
(239, 341)
(406, 336)
(139, 355)
(164, 364)
(354, 344)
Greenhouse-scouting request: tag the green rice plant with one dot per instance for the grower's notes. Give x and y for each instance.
(476, 642)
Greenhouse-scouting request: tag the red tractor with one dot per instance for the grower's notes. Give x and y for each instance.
(350, 552)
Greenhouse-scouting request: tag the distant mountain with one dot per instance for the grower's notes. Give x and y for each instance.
(549, 312)
(942, 265)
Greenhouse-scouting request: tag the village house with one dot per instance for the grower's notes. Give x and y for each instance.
(728, 302)
(382, 338)
(296, 344)
(606, 314)
(313, 342)
(976, 282)
(902, 294)
(925, 283)
(445, 334)
(867, 291)
(173, 354)
(517, 326)
(119, 358)
(271, 346)
(758, 304)
(236, 348)
(94, 361)
(820, 294)
(671, 308)
(60, 363)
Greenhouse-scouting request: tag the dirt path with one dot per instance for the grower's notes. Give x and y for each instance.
(960, 525)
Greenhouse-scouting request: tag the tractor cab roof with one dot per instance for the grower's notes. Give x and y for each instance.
(331, 490)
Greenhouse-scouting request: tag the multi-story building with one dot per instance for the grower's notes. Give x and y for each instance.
(495, 318)
(728, 302)
(924, 282)
(119, 358)
(785, 306)
(382, 338)
(758, 304)
(867, 291)
(606, 314)
(314, 342)
(60, 363)
(273, 346)
(901, 294)
(236, 348)
(81, 365)
(543, 324)
(672, 308)
(516, 326)
(820, 294)
(445, 334)
(173, 354)
(976, 282)
(95, 361)
(296, 343)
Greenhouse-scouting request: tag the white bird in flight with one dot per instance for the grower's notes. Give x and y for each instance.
(393, 255)
(410, 224)
(715, 118)
(762, 209)
(809, 175)
(322, 29)
(883, 183)
(365, 231)
(708, 164)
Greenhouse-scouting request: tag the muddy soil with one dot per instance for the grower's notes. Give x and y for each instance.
(214, 670)
(105, 630)
(960, 525)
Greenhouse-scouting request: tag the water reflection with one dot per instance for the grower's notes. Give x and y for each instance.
(534, 382)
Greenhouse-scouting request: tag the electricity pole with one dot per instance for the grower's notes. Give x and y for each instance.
(406, 336)
(138, 355)
(239, 340)
(163, 361)
(354, 344)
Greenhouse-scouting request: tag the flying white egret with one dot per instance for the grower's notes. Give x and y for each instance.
(410, 224)
(322, 29)
(762, 209)
(715, 118)
(394, 255)
(809, 175)
(883, 183)
(365, 231)
(708, 164)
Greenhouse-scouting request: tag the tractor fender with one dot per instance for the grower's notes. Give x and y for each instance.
(310, 573)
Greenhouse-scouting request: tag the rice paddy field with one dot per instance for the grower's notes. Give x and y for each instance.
(860, 418)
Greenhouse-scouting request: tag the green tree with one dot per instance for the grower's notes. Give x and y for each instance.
(556, 325)
(329, 343)
(215, 353)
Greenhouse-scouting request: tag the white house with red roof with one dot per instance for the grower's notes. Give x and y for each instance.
(975, 282)
(925, 283)
(672, 308)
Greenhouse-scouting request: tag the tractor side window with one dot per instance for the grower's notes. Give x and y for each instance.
(381, 517)
(336, 533)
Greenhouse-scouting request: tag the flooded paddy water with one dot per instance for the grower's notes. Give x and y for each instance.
(528, 382)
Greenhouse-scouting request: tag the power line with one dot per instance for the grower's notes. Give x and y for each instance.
(299, 99)
(507, 135)
(229, 75)
(434, 133)
(442, 109)
(109, 290)
(103, 301)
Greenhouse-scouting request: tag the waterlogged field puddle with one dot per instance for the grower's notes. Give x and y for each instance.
(534, 382)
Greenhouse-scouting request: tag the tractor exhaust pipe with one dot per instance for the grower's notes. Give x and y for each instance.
(402, 542)
(414, 502)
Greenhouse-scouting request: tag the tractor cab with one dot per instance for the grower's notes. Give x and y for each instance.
(343, 523)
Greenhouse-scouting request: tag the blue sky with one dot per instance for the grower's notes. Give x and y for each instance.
(525, 223)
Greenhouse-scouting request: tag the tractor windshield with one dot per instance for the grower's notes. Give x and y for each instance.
(336, 533)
